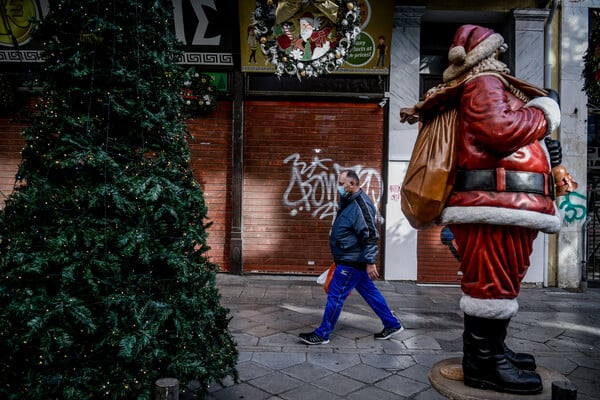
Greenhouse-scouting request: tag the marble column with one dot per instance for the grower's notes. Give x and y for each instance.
(404, 78)
(573, 136)
(401, 239)
(528, 52)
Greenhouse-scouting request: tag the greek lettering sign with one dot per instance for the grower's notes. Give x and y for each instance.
(204, 27)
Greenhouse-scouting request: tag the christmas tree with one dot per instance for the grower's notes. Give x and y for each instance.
(104, 282)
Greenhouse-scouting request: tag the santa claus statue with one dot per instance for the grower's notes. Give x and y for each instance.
(503, 195)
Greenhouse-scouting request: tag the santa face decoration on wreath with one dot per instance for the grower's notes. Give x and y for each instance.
(306, 38)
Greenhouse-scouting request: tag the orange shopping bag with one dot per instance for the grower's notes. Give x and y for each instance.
(328, 278)
(325, 278)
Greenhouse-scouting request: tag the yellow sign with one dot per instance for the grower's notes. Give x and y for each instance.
(370, 53)
(16, 25)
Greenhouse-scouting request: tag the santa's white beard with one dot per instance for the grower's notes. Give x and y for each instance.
(305, 34)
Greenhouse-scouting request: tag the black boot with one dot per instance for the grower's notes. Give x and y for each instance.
(522, 361)
(485, 365)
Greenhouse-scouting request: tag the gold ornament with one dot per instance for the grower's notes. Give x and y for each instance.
(284, 59)
(287, 9)
(350, 6)
(269, 3)
(263, 40)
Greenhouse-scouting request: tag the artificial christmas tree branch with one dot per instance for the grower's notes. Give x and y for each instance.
(104, 282)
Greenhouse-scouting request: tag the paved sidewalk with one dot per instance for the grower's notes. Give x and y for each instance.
(561, 328)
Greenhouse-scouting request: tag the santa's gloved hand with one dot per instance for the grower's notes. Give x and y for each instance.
(555, 150)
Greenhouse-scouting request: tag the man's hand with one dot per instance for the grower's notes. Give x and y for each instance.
(372, 271)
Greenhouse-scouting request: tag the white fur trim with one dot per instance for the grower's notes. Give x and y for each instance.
(550, 109)
(489, 308)
(457, 55)
(483, 50)
(501, 216)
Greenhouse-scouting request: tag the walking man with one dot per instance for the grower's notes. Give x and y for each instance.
(353, 241)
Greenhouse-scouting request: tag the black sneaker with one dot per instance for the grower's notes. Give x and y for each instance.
(312, 338)
(387, 333)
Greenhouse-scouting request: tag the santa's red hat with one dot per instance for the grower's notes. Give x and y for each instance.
(307, 16)
(471, 44)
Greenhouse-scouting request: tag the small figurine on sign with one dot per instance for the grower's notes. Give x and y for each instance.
(495, 192)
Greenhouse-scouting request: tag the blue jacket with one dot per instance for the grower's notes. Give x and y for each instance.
(354, 235)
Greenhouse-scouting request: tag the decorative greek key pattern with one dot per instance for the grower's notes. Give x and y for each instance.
(21, 56)
(188, 58)
(207, 58)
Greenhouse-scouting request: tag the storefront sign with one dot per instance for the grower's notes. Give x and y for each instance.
(16, 44)
(204, 27)
(370, 51)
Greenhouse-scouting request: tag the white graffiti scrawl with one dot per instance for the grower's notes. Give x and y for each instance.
(312, 186)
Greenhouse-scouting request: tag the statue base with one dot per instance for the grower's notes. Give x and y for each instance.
(447, 378)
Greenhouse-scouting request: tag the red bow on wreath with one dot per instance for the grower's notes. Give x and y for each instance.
(287, 9)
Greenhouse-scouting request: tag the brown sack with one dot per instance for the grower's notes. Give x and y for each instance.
(430, 175)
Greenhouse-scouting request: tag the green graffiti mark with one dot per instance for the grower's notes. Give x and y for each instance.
(573, 212)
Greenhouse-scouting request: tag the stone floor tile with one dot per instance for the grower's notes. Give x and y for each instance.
(422, 342)
(387, 361)
(365, 373)
(429, 359)
(335, 362)
(245, 339)
(564, 365)
(401, 386)
(339, 384)
(372, 393)
(244, 356)
(309, 392)
(241, 391)
(429, 394)
(278, 339)
(539, 333)
(249, 370)
(242, 323)
(416, 372)
(278, 360)
(276, 383)
(307, 372)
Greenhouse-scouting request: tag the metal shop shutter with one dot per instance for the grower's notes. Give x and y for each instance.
(210, 147)
(293, 152)
(11, 144)
(435, 262)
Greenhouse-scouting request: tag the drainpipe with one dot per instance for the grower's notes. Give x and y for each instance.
(548, 46)
(548, 84)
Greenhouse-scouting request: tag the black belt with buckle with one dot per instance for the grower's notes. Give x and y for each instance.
(501, 180)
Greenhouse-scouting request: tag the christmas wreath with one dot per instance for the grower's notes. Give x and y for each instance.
(199, 94)
(315, 43)
(591, 70)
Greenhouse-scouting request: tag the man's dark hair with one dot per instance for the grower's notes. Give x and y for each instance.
(352, 175)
